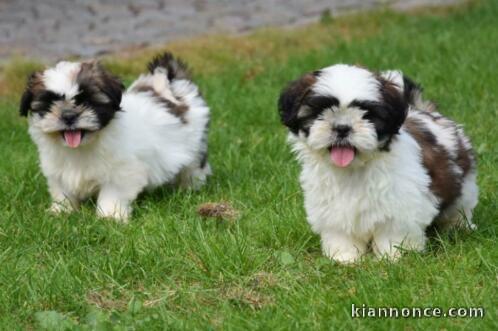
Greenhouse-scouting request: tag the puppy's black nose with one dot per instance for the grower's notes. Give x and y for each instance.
(69, 117)
(342, 130)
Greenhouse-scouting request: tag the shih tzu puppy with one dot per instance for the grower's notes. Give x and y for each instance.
(379, 164)
(95, 139)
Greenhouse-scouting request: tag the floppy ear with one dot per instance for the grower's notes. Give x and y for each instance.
(33, 81)
(411, 90)
(92, 73)
(291, 100)
(395, 105)
(25, 103)
(113, 88)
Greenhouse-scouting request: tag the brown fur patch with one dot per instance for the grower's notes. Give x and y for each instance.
(35, 83)
(305, 84)
(34, 86)
(394, 98)
(465, 157)
(176, 68)
(94, 76)
(177, 109)
(445, 183)
(143, 88)
(91, 72)
(291, 99)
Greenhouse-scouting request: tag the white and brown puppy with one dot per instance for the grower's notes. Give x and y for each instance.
(94, 139)
(379, 164)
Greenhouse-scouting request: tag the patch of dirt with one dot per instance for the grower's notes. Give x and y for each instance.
(105, 300)
(264, 279)
(247, 297)
(219, 210)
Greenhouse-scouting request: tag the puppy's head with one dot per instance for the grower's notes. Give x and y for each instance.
(71, 101)
(344, 113)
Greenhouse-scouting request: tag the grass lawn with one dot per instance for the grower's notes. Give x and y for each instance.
(171, 269)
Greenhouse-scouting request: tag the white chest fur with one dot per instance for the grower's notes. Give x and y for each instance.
(394, 188)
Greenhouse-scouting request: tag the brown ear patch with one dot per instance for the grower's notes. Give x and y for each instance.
(446, 179)
(292, 98)
(90, 72)
(35, 83)
(394, 98)
(34, 86)
(94, 77)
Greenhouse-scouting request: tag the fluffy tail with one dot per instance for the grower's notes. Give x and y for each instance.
(169, 79)
(411, 91)
(175, 68)
(413, 94)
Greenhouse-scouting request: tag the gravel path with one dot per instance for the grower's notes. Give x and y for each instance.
(51, 29)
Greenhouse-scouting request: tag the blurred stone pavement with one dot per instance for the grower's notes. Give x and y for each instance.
(52, 29)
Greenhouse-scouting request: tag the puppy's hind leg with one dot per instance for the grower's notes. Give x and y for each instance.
(194, 176)
(460, 213)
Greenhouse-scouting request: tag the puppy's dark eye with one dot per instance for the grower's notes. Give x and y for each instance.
(321, 102)
(375, 112)
(373, 109)
(95, 98)
(44, 100)
(366, 105)
(49, 97)
(81, 98)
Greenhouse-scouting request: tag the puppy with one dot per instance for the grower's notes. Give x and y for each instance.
(379, 164)
(93, 139)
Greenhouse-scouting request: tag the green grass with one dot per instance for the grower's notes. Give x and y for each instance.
(171, 269)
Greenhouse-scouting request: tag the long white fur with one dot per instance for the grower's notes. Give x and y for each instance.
(387, 201)
(143, 146)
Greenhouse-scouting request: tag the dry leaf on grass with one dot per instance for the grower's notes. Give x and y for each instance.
(219, 210)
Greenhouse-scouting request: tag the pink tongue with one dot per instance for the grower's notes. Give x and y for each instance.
(72, 138)
(342, 156)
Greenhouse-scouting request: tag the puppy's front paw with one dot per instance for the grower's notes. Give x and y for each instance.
(116, 212)
(117, 215)
(59, 207)
(392, 249)
(345, 256)
(342, 250)
(393, 254)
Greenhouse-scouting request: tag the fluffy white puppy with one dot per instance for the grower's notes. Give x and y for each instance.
(379, 164)
(93, 139)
